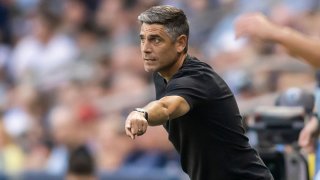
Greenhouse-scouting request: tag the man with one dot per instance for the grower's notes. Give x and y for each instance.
(81, 165)
(193, 103)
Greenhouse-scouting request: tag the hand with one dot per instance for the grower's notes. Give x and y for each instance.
(255, 25)
(307, 135)
(136, 124)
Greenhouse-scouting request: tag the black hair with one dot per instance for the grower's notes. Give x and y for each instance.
(81, 162)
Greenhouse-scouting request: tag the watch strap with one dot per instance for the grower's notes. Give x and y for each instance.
(145, 113)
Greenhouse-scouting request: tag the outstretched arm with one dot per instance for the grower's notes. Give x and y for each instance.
(160, 111)
(258, 26)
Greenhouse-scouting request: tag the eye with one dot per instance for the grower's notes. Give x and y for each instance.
(142, 40)
(156, 40)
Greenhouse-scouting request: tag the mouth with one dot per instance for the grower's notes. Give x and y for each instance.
(149, 59)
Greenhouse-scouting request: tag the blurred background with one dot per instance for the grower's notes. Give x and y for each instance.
(71, 70)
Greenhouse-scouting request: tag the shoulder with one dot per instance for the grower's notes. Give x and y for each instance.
(195, 69)
(193, 63)
(195, 73)
(28, 42)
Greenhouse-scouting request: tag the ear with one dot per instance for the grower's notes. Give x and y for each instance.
(181, 43)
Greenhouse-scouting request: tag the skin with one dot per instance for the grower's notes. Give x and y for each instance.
(257, 26)
(307, 135)
(71, 176)
(165, 56)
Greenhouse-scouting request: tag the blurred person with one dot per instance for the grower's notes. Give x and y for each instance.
(305, 47)
(5, 20)
(193, 103)
(220, 40)
(79, 97)
(203, 16)
(64, 124)
(104, 72)
(113, 147)
(93, 65)
(293, 97)
(88, 39)
(112, 17)
(12, 155)
(127, 82)
(153, 151)
(66, 135)
(37, 156)
(5, 52)
(42, 57)
(24, 115)
(257, 26)
(125, 85)
(128, 61)
(81, 165)
(75, 13)
(70, 94)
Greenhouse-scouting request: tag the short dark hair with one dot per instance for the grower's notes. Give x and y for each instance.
(173, 19)
(81, 162)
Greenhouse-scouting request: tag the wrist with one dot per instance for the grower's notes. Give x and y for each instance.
(313, 124)
(281, 34)
(143, 112)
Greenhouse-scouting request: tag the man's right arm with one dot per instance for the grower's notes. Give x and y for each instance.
(159, 112)
(259, 27)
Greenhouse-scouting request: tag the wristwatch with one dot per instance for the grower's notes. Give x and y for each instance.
(144, 112)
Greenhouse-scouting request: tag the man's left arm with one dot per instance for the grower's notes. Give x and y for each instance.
(157, 112)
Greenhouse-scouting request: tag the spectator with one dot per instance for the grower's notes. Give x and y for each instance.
(12, 156)
(81, 165)
(44, 53)
(112, 145)
(257, 26)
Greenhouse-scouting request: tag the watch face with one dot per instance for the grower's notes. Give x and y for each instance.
(140, 109)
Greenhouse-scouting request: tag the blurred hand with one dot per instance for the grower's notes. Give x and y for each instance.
(254, 25)
(307, 135)
(136, 124)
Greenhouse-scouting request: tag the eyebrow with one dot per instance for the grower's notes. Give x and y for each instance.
(150, 36)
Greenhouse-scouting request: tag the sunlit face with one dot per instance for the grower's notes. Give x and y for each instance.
(158, 50)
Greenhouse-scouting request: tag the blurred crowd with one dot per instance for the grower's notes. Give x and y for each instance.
(71, 70)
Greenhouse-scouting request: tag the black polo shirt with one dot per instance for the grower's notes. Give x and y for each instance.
(210, 137)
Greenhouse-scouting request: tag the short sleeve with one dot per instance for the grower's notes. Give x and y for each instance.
(194, 89)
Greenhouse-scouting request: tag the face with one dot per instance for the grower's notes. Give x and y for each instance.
(41, 29)
(80, 177)
(159, 51)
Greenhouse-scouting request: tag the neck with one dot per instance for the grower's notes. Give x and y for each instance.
(174, 68)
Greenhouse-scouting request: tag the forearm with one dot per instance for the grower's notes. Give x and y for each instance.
(155, 113)
(165, 109)
(299, 45)
(158, 113)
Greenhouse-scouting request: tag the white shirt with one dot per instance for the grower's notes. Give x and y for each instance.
(43, 64)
